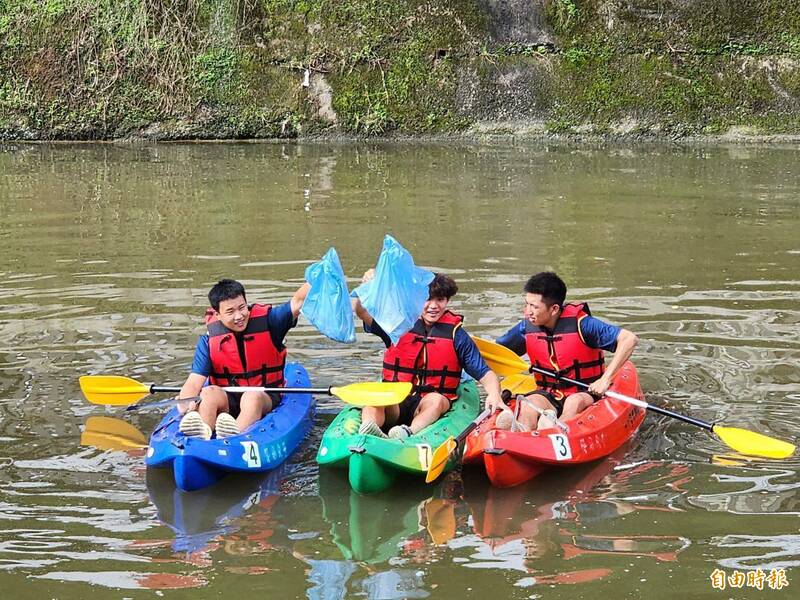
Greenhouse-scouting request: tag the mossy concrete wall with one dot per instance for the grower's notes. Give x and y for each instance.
(177, 69)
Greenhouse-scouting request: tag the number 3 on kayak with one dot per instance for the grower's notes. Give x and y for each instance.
(561, 446)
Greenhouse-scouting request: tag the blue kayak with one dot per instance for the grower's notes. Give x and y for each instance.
(199, 463)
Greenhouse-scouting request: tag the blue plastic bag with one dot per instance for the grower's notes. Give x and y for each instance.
(396, 295)
(327, 305)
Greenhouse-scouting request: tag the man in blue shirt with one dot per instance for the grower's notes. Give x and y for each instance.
(243, 347)
(431, 356)
(566, 339)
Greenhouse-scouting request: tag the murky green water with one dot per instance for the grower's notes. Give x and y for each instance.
(108, 251)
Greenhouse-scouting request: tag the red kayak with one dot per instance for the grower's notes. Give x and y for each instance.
(511, 458)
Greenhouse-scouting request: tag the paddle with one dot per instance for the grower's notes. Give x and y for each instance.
(442, 454)
(115, 390)
(519, 383)
(108, 433)
(505, 362)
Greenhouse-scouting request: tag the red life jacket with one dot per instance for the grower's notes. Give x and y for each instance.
(564, 351)
(427, 359)
(263, 361)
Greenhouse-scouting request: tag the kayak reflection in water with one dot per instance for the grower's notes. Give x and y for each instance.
(431, 356)
(565, 338)
(243, 347)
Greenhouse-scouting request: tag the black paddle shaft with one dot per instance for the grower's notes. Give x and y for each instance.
(655, 409)
(170, 389)
(154, 389)
(471, 427)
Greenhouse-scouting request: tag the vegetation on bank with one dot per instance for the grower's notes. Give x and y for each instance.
(683, 67)
(90, 69)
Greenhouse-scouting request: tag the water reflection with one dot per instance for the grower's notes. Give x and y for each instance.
(204, 516)
(526, 528)
(370, 529)
(754, 493)
(771, 552)
(380, 537)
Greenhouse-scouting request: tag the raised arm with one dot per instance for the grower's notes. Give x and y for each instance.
(360, 311)
(298, 299)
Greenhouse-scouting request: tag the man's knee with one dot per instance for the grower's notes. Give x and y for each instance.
(434, 401)
(256, 402)
(578, 402)
(215, 395)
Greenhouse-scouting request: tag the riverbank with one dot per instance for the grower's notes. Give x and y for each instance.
(715, 70)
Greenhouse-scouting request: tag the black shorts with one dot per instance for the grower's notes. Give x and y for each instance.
(409, 406)
(407, 409)
(234, 402)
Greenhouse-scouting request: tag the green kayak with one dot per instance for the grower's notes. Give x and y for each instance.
(374, 462)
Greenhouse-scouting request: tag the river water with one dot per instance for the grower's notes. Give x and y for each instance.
(108, 252)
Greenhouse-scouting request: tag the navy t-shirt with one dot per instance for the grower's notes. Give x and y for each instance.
(279, 320)
(596, 334)
(466, 350)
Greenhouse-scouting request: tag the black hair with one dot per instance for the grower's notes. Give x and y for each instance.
(225, 289)
(549, 286)
(442, 286)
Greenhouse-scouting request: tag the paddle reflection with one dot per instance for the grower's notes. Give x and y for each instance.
(110, 433)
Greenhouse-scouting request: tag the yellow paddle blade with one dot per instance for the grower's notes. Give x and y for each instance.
(112, 390)
(754, 444)
(520, 384)
(373, 394)
(439, 459)
(500, 359)
(441, 517)
(108, 433)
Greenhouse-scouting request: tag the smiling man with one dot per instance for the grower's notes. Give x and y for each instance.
(431, 356)
(566, 339)
(243, 347)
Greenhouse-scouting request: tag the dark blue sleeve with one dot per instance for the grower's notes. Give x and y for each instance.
(469, 355)
(280, 320)
(201, 363)
(514, 339)
(376, 329)
(599, 334)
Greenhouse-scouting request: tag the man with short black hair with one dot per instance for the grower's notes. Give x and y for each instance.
(431, 356)
(563, 338)
(243, 347)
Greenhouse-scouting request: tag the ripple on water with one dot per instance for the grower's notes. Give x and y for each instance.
(781, 551)
(754, 488)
